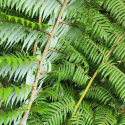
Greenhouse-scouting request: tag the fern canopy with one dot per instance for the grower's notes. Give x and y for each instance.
(62, 62)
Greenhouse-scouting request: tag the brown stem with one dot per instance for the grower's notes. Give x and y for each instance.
(41, 62)
(60, 2)
(71, 25)
(5, 81)
(2, 97)
(34, 52)
(17, 48)
(56, 51)
(44, 73)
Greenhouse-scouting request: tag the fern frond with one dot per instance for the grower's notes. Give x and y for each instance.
(116, 8)
(121, 119)
(116, 77)
(119, 50)
(84, 44)
(13, 59)
(72, 55)
(19, 93)
(70, 91)
(100, 25)
(58, 111)
(72, 72)
(14, 32)
(12, 116)
(104, 115)
(78, 119)
(86, 110)
(36, 8)
(22, 21)
(101, 94)
(13, 64)
(74, 39)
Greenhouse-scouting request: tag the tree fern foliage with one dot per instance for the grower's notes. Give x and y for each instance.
(82, 80)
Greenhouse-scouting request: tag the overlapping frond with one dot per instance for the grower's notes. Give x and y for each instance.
(116, 8)
(17, 65)
(32, 8)
(86, 110)
(119, 50)
(72, 72)
(101, 94)
(9, 97)
(18, 94)
(12, 116)
(72, 55)
(83, 44)
(116, 77)
(69, 91)
(104, 115)
(121, 120)
(58, 111)
(78, 119)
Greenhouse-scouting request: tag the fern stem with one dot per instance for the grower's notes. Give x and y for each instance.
(60, 2)
(44, 73)
(17, 48)
(34, 52)
(71, 25)
(5, 81)
(84, 93)
(56, 51)
(41, 62)
(2, 97)
(121, 44)
(120, 63)
(34, 120)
